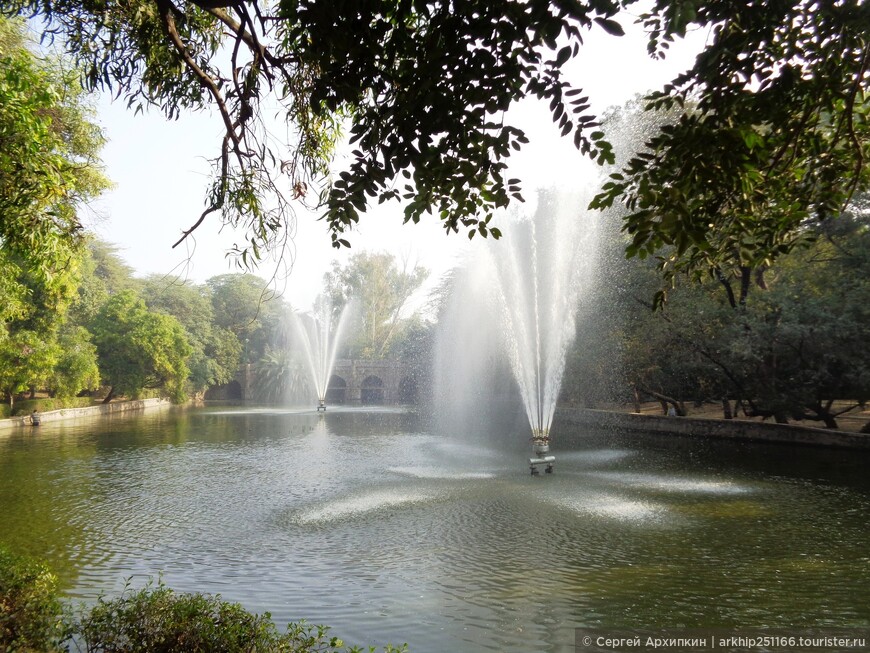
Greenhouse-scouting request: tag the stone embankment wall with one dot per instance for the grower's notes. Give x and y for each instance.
(715, 428)
(73, 413)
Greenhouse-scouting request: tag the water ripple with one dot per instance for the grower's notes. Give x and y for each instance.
(676, 484)
(387, 532)
(358, 505)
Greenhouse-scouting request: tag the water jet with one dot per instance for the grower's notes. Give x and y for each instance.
(537, 272)
(320, 344)
(511, 316)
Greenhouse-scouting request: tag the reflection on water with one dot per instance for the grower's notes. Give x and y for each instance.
(358, 505)
(368, 521)
(439, 472)
(667, 483)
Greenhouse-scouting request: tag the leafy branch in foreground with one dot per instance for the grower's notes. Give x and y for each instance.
(773, 128)
(775, 134)
(422, 85)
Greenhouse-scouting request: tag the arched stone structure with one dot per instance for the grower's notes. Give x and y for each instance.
(239, 388)
(409, 392)
(336, 390)
(347, 383)
(371, 390)
(370, 382)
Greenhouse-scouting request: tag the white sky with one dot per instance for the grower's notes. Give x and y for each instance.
(160, 175)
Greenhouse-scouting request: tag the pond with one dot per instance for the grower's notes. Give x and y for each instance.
(372, 522)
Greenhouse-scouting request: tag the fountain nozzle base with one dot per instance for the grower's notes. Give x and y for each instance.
(321, 406)
(543, 460)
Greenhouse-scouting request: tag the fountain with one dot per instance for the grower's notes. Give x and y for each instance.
(537, 270)
(320, 344)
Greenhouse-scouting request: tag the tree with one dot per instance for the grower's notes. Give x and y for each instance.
(245, 307)
(380, 290)
(216, 351)
(279, 376)
(48, 155)
(776, 135)
(139, 348)
(680, 354)
(809, 355)
(26, 359)
(102, 273)
(34, 312)
(48, 167)
(76, 368)
(795, 351)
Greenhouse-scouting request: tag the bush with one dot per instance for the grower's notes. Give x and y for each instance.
(31, 615)
(157, 620)
(150, 620)
(27, 406)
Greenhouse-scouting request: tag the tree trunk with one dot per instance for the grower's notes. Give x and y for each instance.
(745, 278)
(726, 409)
(110, 395)
(828, 416)
(636, 400)
(759, 277)
(732, 301)
(664, 400)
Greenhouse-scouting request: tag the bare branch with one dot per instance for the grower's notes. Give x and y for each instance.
(219, 200)
(167, 15)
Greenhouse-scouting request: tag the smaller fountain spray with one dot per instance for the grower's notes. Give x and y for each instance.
(320, 343)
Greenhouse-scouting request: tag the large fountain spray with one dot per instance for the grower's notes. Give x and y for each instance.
(320, 344)
(515, 302)
(538, 271)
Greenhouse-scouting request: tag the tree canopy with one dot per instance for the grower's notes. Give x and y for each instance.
(48, 166)
(139, 348)
(773, 131)
(379, 287)
(794, 350)
(48, 155)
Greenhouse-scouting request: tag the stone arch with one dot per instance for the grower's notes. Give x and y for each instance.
(336, 390)
(408, 391)
(372, 390)
(227, 391)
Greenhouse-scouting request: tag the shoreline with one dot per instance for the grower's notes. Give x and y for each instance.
(88, 411)
(740, 430)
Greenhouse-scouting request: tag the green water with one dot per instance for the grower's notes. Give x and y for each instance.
(388, 531)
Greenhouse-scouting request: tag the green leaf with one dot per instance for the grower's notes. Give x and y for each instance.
(610, 26)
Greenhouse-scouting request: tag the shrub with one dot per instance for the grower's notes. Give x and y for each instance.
(31, 615)
(155, 619)
(27, 406)
(150, 620)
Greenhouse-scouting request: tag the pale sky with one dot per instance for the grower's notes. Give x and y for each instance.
(160, 177)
